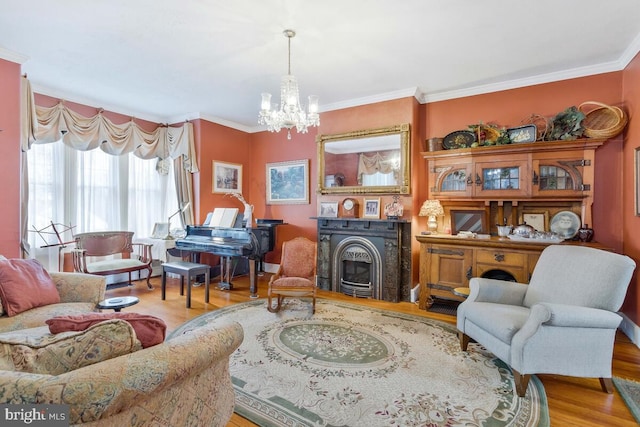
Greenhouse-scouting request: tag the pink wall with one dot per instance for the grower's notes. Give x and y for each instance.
(630, 221)
(10, 158)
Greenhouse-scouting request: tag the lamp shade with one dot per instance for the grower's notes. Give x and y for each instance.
(431, 208)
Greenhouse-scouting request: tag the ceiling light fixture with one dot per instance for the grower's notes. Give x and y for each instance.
(291, 113)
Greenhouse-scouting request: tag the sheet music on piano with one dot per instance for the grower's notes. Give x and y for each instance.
(221, 217)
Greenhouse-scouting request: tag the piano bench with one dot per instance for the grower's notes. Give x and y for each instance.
(188, 270)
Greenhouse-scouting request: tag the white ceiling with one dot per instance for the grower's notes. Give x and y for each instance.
(171, 60)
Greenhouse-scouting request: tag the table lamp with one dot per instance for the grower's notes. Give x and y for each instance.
(432, 208)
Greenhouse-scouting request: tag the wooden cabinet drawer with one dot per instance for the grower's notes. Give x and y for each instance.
(501, 257)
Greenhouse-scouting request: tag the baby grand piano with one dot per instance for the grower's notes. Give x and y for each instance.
(229, 243)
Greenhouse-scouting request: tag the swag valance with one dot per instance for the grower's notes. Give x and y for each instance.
(378, 162)
(50, 124)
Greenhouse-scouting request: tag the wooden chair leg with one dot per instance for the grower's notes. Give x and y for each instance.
(464, 340)
(606, 384)
(521, 381)
(270, 306)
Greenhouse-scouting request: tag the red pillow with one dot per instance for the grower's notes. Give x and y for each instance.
(25, 284)
(150, 330)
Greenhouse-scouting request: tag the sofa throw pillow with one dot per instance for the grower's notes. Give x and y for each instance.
(150, 330)
(25, 284)
(39, 352)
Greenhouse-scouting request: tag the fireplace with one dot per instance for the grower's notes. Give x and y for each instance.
(365, 258)
(357, 268)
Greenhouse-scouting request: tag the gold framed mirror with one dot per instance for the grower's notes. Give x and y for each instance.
(370, 161)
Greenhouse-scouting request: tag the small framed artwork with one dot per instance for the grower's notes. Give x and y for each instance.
(371, 208)
(160, 230)
(288, 183)
(328, 209)
(537, 219)
(227, 177)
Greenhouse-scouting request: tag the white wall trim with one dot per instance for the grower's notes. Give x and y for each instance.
(16, 57)
(630, 329)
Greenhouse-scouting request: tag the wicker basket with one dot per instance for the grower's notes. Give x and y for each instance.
(604, 121)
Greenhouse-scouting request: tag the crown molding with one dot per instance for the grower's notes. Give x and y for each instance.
(213, 119)
(573, 73)
(16, 57)
(387, 96)
(630, 52)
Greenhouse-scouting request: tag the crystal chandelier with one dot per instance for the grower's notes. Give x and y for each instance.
(290, 113)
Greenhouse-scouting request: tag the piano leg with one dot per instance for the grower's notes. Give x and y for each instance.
(253, 279)
(225, 273)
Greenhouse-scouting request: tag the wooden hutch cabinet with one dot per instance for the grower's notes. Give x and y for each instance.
(554, 170)
(544, 174)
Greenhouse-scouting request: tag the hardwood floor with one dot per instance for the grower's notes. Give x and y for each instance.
(572, 401)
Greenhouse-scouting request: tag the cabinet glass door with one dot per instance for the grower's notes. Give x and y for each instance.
(501, 179)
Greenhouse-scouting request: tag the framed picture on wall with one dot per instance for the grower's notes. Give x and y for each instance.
(288, 182)
(227, 177)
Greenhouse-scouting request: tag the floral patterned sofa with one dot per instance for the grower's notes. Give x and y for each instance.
(183, 381)
(79, 293)
(106, 373)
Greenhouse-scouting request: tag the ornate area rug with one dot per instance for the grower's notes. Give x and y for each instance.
(630, 392)
(348, 365)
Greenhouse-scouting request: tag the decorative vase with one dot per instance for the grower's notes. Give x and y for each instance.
(585, 234)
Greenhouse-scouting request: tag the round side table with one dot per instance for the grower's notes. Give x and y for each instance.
(118, 303)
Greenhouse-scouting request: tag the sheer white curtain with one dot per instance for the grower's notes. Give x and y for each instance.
(92, 191)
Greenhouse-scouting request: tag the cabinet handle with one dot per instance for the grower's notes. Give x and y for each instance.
(469, 180)
(535, 179)
(469, 276)
(478, 180)
(498, 257)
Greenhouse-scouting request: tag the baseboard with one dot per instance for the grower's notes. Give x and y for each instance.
(270, 268)
(630, 329)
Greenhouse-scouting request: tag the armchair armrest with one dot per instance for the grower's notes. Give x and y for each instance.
(79, 287)
(563, 315)
(143, 252)
(496, 291)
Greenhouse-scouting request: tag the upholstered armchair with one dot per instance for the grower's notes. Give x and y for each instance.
(296, 276)
(563, 322)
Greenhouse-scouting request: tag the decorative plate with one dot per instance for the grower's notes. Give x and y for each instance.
(458, 139)
(565, 224)
(522, 134)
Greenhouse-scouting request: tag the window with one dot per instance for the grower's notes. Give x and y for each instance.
(93, 191)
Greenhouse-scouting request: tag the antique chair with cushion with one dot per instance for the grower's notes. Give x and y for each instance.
(563, 322)
(111, 252)
(296, 276)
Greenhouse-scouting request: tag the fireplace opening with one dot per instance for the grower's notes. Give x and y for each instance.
(357, 268)
(499, 275)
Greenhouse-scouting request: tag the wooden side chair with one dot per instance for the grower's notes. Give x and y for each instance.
(296, 276)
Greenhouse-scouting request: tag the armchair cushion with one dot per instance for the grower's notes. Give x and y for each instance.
(25, 284)
(150, 330)
(37, 351)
